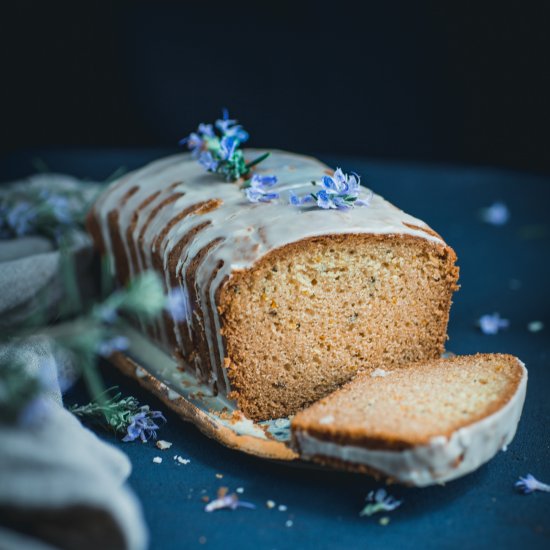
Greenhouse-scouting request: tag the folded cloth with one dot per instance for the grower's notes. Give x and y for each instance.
(60, 486)
(30, 277)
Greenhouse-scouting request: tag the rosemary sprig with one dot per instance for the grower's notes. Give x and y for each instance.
(122, 415)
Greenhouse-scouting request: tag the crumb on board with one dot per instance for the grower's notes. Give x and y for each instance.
(157, 460)
(239, 490)
(219, 476)
(384, 520)
(270, 504)
(282, 508)
(163, 445)
(289, 523)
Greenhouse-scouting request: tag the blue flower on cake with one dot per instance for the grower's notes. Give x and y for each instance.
(258, 188)
(340, 191)
(207, 160)
(217, 148)
(230, 128)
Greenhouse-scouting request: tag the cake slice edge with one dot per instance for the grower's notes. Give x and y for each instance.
(442, 459)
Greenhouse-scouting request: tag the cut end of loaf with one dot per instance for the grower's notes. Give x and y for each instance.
(308, 316)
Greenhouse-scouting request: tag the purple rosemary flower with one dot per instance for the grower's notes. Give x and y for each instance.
(496, 214)
(379, 501)
(228, 146)
(228, 501)
(258, 189)
(491, 324)
(177, 304)
(197, 141)
(142, 425)
(229, 127)
(207, 160)
(108, 347)
(340, 191)
(529, 484)
(295, 200)
(217, 148)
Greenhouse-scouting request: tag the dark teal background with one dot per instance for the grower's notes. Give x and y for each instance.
(462, 82)
(504, 269)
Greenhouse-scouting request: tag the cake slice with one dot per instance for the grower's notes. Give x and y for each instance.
(424, 424)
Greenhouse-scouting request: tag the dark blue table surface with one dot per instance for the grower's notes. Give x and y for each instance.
(503, 269)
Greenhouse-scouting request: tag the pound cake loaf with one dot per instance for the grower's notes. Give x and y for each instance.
(420, 425)
(286, 303)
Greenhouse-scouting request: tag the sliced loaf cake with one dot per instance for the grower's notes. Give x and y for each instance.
(421, 425)
(285, 303)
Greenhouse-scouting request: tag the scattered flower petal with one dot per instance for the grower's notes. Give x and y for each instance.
(496, 214)
(535, 326)
(491, 324)
(529, 484)
(379, 501)
(228, 501)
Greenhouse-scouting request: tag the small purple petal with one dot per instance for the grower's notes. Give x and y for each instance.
(529, 484)
(207, 160)
(491, 324)
(496, 214)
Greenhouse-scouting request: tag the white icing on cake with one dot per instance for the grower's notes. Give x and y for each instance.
(442, 459)
(239, 233)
